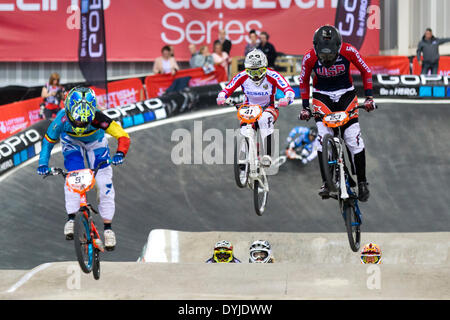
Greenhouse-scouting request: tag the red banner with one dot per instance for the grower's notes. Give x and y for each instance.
(157, 84)
(137, 30)
(385, 65)
(120, 93)
(443, 70)
(17, 116)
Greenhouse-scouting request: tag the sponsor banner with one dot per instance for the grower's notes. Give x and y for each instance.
(92, 46)
(22, 146)
(443, 70)
(17, 116)
(120, 93)
(157, 84)
(177, 23)
(385, 65)
(412, 86)
(351, 20)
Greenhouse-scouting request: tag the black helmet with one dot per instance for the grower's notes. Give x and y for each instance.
(327, 43)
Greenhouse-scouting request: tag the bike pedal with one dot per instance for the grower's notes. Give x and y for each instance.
(325, 197)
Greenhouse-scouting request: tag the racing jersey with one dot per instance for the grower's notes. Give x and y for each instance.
(264, 94)
(335, 80)
(61, 127)
(302, 139)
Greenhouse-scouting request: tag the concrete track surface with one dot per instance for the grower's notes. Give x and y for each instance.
(408, 167)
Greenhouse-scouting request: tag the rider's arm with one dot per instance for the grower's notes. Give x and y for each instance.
(353, 55)
(112, 128)
(51, 137)
(281, 83)
(309, 59)
(235, 83)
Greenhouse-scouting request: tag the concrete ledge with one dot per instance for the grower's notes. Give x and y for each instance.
(238, 281)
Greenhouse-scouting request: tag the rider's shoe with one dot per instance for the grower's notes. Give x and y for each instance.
(266, 161)
(324, 192)
(110, 239)
(363, 191)
(68, 229)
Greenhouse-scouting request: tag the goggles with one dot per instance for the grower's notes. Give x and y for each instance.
(256, 73)
(370, 259)
(80, 124)
(327, 58)
(259, 255)
(222, 255)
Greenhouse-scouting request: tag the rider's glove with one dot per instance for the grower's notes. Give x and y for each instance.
(118, 158)
(369, 104)
(305, 114)
(304, 161)
(290, 153)
(221, 99)
(43, 170)
(283, 102)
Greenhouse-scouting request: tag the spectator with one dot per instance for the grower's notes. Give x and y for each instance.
(194, 56)
(253, 44)
(166, 63)
(268, 49)
(201, 58)
(429, 47)
(53, 94)
(226, 44)
(220, 57)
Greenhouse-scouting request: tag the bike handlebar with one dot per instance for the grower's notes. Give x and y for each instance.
(59, 171)
(321, 115)
(231, 103)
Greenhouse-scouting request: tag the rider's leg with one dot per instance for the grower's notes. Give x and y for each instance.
(266, 129)
(73, 160)
(355, 143)
(97, 152)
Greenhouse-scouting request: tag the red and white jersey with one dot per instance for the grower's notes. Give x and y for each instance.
(264, 94)
(337, 78)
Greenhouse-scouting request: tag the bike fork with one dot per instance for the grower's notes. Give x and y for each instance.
(342, 185)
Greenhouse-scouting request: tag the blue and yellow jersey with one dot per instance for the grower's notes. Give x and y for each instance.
(61, 127)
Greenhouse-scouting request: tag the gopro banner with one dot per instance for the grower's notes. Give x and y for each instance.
(92, 44)
(351, 20)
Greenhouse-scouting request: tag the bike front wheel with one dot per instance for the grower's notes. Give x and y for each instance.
(241, 164)
(330, 162)
(84, 247)
(353, 226)
(260, 194)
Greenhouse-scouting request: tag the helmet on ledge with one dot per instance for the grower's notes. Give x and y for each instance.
(223, 252)
(371, 253)
(260, 252)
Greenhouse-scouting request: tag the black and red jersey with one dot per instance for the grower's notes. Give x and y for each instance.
(337, 77)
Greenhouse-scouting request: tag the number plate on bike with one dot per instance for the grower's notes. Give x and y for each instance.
(336, 119)
(249, 113)
(80, 181)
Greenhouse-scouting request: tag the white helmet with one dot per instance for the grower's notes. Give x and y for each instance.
(260, 252)
(223, 244)
(256, 65)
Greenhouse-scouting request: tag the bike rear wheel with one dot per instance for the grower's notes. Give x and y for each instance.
(330, 162)
(84, 247)
(260, 195)
(353, 226)
(96, 264)
(241, 164)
